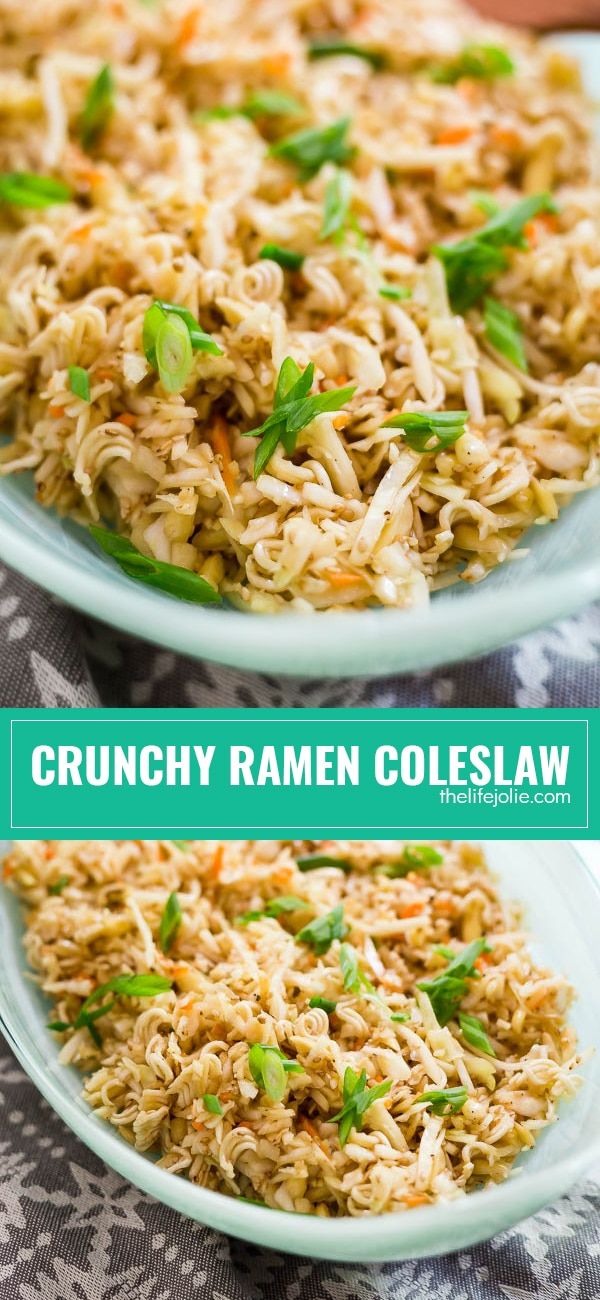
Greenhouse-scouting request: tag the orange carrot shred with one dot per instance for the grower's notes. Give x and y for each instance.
(217, 862)
(411, 909)
(455, 135)
(219, 437)
(412, 1200)
(127, 417)
(56, 412)
(340, 579)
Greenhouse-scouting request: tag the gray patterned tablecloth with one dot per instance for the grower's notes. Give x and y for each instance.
(51, 657)
(71, 1229)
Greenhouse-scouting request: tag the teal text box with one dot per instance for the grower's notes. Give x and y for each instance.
(541, 768)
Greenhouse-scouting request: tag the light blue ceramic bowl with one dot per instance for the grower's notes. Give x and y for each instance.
(562, 901)
(561, 573)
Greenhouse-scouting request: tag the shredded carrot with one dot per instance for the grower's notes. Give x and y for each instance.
(340, 421)
(341, 380)
(545, 221)
(411, 909)
(412, 1200)
(80, 233)
(7, 870)
(91, 175)
(178, 971)
(312, 1132)
(338, 578)
(188, 28)
(445, 906)
(198, 1125)
(505, 137)
(127, 417)
(483, 960)
(277, 65)
(56, 412)
(455, 135)
(217, 862)
(219, 437)
(187, 1000)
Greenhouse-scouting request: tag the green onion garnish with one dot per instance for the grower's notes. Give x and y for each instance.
(444, 1101)
(285, 257)
(416, 857)
(327, 47)
(320, 933)
(310, 148)
(473, 1032)
(133, 986)
(212, 1103)
(504, 332)
(446, 991)
(169, 336)
(269, 1067)
(272, 103)
(130, 986)
(181, 844)
(79, 382)
(400, 1017)
(98, 108)
(170, 922)
(357, 1099)
(481, 62)
(354, 979)
(170, 578)
(317, 860)
(27, 190)
(293, 410)
(274, 908)
(420, 427)
(58, 885)
(338, 197)
(472, 263)
(323, 1004)
(395, 292)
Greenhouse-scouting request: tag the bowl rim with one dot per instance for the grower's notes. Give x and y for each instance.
(370, 1237)
(297, 644)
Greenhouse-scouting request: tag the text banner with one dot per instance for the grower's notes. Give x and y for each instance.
(299, 773)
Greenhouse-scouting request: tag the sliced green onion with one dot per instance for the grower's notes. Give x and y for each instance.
(98, 108)
(79, 382)
(320, 933)
(170, 922)
(285, 257)
(317, 860)
(310, 148)
(212, 1103)
(174, 355)
(169, 578)
(420, 427)
(338, 197)
(481, 62)
(323, 1004)
(395, 292)
(474, 1034)
(27, 190)
(444, 1101)
(504, 332)
(328, 47)
(272, 103)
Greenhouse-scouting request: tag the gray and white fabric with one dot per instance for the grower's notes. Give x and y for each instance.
(52, 657)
